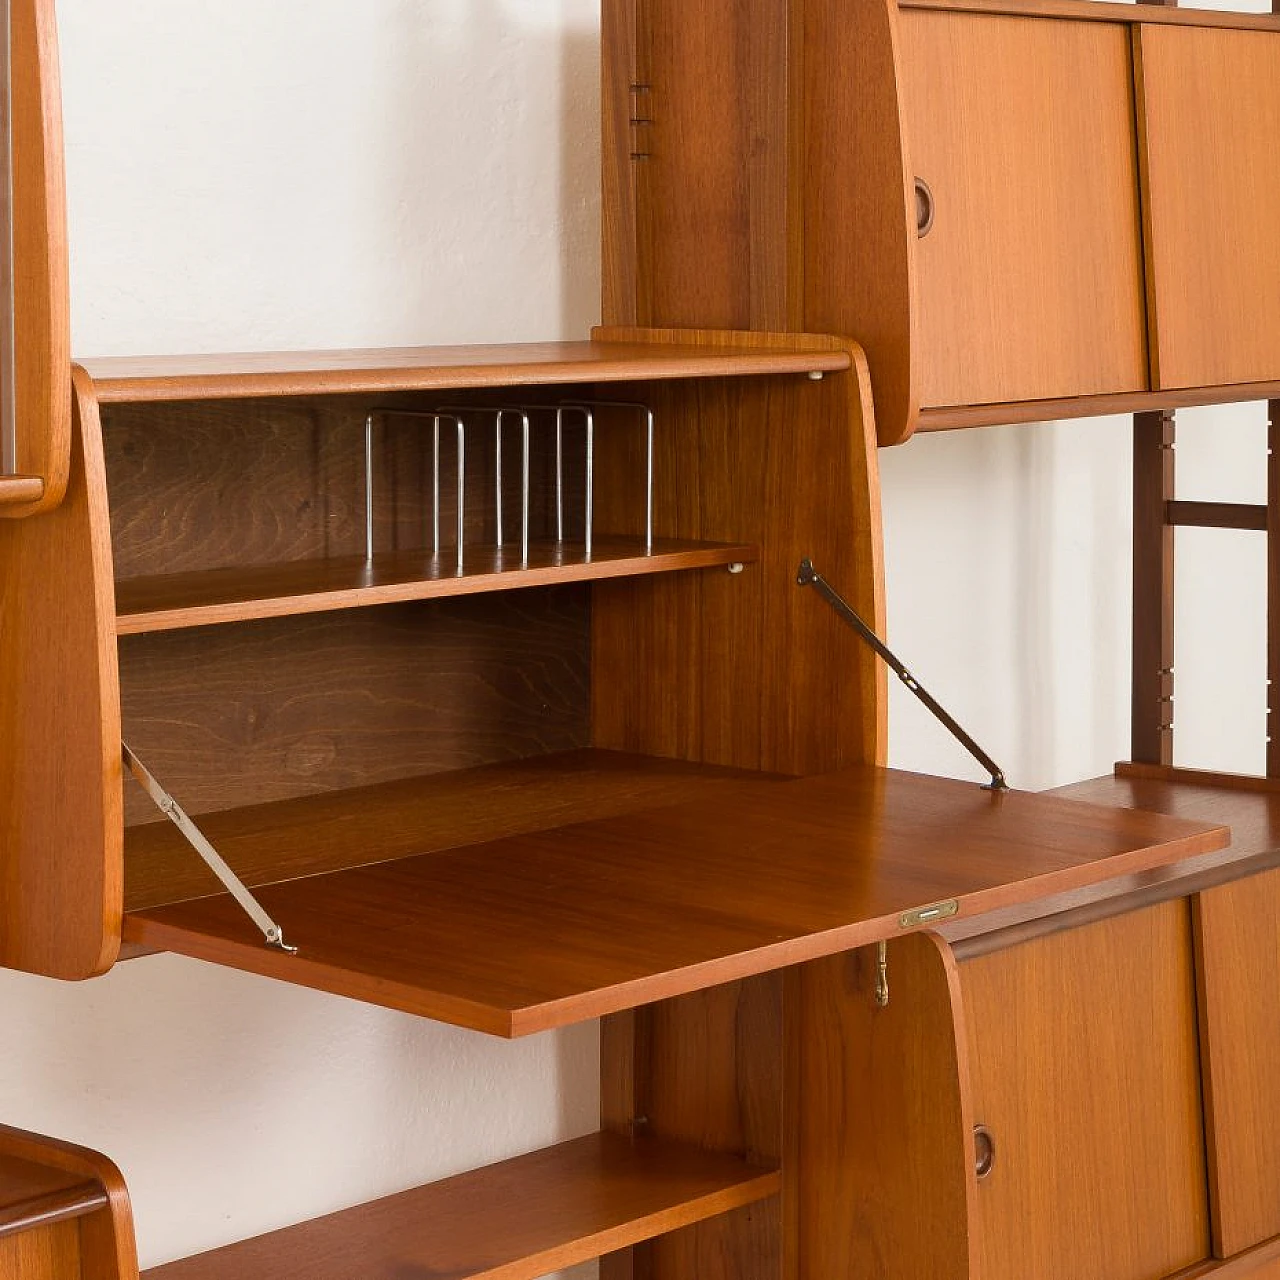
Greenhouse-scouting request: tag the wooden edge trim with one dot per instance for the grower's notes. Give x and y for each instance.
(112, 1230)
(89, 431)
(21, 491)
(971, 946)
(949, 961)
(1195, 777)
(1102, 11)
(1242, 1267)
(956, 417)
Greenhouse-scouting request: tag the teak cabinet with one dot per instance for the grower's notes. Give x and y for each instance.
(488, 672)
(1022, 211)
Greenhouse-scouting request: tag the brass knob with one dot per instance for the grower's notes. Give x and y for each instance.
(984, 1151)
(924, 208)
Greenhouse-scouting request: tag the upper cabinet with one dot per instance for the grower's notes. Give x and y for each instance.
(1021, 210)
(1209, 117)
(1029, 278)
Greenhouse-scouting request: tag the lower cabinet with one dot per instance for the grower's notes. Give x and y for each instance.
(1084, 1069)
(1238, 938)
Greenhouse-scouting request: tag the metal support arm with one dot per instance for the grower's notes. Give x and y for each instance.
(808, 576)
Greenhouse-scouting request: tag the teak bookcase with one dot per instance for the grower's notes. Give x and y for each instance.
(855, 1021)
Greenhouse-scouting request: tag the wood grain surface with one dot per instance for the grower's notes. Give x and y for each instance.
(516, 1220)
(1238, 953)
(1213, 268)
(1084, 1063)
(749, 670)
(60, 858)
(261, 711)
(1030, 281)
(42, 315)
(377, 372)
(1104, 11)
(602, 916)
(883, 1121)
(857, 227)
(213, 596)
(710, 165)
(704, 1068)
(97, 1246)
(986, 415)
(51, 1254)
(410, 816)
(1262, 1263)
(34, 1195)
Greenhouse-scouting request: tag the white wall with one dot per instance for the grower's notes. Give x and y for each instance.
(309, 173)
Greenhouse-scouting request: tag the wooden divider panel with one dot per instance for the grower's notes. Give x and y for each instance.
(748, 669)
(883, 1171)
(61, 869)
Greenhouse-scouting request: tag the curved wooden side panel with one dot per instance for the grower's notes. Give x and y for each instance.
(107, 1248)
(859, 197)
(881, 1176)
(748, 669)
(61, 830)
(41, 302)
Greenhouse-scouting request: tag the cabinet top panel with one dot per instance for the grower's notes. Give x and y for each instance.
(541, 930)
(385, 370)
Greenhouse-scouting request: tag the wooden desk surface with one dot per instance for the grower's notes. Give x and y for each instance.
(544, 929)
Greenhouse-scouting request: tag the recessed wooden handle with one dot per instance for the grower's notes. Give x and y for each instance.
(924, 208)
(984, 1151)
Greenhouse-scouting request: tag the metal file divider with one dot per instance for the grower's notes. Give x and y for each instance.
(500, 415)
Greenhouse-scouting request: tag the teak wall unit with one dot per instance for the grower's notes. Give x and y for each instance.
(1021, 210)
(513, 786)
(1089, 236)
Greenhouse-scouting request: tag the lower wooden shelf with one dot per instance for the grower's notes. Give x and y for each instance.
(34, 1195)
(532, 931)
(512, 1221)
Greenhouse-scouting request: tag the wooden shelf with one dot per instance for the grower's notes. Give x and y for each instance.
(302, 373)
(213, 596)
(541, 930)
(34, 1195)
(512, 1221)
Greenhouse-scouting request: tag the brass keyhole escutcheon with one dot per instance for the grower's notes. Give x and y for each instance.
(984, 1151)
(924, 208)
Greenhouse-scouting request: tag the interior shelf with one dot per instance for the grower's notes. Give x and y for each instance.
(173, 601)
(538, 930)
(34, 1195)
(517, 1220)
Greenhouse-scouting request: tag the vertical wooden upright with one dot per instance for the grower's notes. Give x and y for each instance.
(1153, 489)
